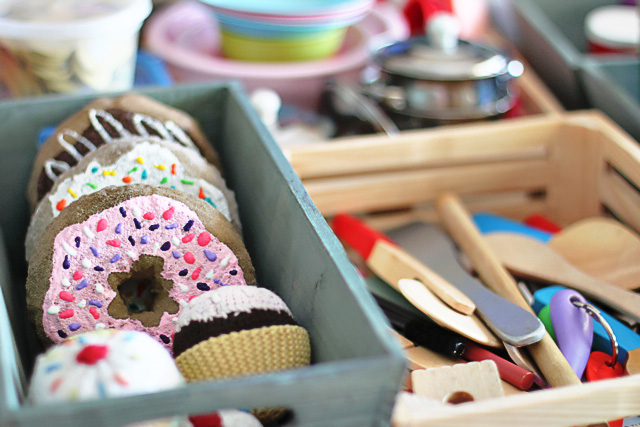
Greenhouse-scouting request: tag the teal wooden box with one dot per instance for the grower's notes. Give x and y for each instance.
(357, 364)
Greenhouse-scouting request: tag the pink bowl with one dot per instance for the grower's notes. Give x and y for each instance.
(186, 36)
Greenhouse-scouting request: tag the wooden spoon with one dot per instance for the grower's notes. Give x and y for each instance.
(529, 257)
(602, 248)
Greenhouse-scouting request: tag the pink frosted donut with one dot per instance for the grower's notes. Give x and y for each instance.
(130, 258)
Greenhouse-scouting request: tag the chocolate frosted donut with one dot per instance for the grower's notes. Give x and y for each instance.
(130, 258)
(121, 163)
(103, 121)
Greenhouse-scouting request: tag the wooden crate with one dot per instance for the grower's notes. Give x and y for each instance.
(568, 166)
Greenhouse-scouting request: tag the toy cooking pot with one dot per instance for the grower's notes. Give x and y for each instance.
(439, 79)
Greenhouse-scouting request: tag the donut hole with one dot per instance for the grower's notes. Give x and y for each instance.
(143, 294)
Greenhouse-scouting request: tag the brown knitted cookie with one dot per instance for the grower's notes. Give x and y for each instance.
(107, 119)
(130, 258)
(151, 162)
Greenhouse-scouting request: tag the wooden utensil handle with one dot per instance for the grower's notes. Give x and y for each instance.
(457, 220)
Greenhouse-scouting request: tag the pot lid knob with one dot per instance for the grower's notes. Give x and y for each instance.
(443, 29)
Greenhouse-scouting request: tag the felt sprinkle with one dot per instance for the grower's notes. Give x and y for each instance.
(183, 272)
(155, 248)
(137, 211)
(132, 170)
(189, 237)
(115, 258)
(184, 303)
(78, 275)
(160, 167)
(73, 193)
(107, 173)
(165, 246)
(61, 204)
(123, 212)
(173, 169)
(114, 242)
(94, 251)
(53, 367)
(62, 334)
(131, 240)
(211, 256)
(196, 273)
(173, 186)
(82, 284)
(233, 272)
(149, 216)
(66, 263)
(120, 379)
(82, 304)
(98, 268)
(66, 283)
(203, 287)
(144, 174)
(99, 288)
(94, 312)
(69, 249)
(208, 200)
(127, 180)
(164, 180)
(102, 390)
(137, 223)
(95, 187)
(94, 169)
(66, 314)
(102, 225)
(86, 263)
(209, 275)
(165, 339)
(184, 288)
(224, 261)
(186, 182)
(175, 240)
(100, 326)
(204, 238)
(144, 240)
(75, 326)
(95, 303)
(66, 296)
(77, 240)
(176, 254)
(54, 309)
(188, 225)
(56, 384)
(119, 228)
(189, 258)
(140, 160)
(201, 193)
(168, 213)
(154, 227)
(131, 254)
(172, 226)
(87, 232)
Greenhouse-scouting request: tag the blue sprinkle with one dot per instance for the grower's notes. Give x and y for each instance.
(123, 212)
(77, 239)
(61, 333)
(188, 225)
(75, 326)
(173, 186)
(233, 272)
(172, 226)
(53, 367)
(98, 268)
(144, 174)
(165, 246)
(208, 200)
(95, 251)
(102, 389)
(211, 256)
(176, 254)
(137, 223)
(116, 258)
(119, 228)
(203, 286)
(82, 339)
(82, 284)
(133, 242)
(94, 169)
(129, 337)
(96, 303)
(154, 227)
(217, 281)
(144, 239)
(66, 263)
(165, 339)
(183, 272)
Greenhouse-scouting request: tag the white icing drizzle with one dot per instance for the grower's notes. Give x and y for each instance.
(69, 147)
(179, 134)
(51, 164)
(139, 120)
(93, 118)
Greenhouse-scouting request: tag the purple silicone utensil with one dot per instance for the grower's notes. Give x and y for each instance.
(573, 327)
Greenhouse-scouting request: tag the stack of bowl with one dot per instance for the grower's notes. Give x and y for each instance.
(285, 30)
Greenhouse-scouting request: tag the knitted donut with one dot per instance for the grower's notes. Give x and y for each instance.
(130, 258)
(103, 121)
(152, 162)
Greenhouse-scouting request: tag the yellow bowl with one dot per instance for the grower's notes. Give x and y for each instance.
(317, 46)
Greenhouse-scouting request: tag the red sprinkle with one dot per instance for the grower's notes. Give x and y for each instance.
(189, 258)
(115, 243)
(192, 297)
(67, 296)
(201, 193)
(173, 169)
(102, 225)
(149, 216)
(120, 379)
(61, 204)
(196, 272)
(78, 275)
(204, 238)
(168, 213)
(66, 314)
(189, 237)
(94, 312)
(92, 354)
(55, 384)
(127, 180)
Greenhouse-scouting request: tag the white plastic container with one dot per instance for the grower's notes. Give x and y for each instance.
(613, 29)
(66, 46)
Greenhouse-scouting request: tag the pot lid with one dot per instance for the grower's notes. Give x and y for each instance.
(418, 58)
